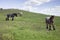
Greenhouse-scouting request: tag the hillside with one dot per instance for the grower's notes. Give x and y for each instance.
(31, 26)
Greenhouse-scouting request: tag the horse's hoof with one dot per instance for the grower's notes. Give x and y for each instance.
(53, 29)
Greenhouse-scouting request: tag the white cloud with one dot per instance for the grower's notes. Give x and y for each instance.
(30, 8)
(36, 2)
(52, 11)
(31, 4)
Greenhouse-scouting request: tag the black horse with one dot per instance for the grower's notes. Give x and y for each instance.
(49, 22)
(11, 16)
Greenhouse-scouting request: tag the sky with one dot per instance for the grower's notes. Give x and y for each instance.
(48, 7)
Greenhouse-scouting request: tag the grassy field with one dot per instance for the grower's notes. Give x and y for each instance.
(31, 26)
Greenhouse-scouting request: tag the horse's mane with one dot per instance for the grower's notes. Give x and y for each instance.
(52, 17)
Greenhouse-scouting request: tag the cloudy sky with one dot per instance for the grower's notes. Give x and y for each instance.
(49, 7)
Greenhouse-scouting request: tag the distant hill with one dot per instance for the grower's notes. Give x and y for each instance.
(31, 26)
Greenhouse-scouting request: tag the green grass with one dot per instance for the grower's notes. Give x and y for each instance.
(31, 26)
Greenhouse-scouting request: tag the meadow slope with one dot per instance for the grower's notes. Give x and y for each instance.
(31, 26)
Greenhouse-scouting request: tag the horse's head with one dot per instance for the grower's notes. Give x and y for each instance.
(15, 14)
(52, 17)
(20, 14)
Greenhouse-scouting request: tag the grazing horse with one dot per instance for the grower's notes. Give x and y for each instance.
(49, 22)
(11, 16)
(20, 14)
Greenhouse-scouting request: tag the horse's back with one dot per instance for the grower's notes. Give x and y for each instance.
(10, 15)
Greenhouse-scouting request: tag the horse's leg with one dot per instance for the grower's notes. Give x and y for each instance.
(49, 26)
(46, 25)
(53, 26)
(7, 19)
(12, 18)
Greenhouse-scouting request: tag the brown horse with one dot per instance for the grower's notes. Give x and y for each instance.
(50, 23)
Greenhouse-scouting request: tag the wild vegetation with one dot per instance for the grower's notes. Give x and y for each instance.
(30, 26)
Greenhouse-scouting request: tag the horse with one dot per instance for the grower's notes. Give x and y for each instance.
(11, 16)
(20, 14)
(49, 22)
